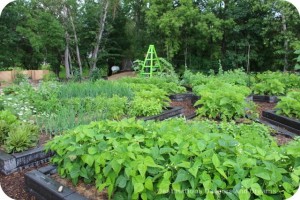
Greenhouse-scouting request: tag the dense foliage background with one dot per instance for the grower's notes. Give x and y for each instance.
(89, 34)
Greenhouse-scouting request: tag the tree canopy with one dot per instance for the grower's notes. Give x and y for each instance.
(197, 34)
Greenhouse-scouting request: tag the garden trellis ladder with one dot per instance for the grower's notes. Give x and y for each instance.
(151, 63)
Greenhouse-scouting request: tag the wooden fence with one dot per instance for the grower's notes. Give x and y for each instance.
(35, 75)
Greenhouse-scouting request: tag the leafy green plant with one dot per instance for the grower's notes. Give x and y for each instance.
(170, 86)
(275, 83)
(221, 100)
(19, 77)
(191, 79)
(21, 138)
(175, 159)
(51, 76)
(148, 102)
(289, 105)
(297, 66)
(269, 87)
(93, 89)
(95, 74)
(7, 119)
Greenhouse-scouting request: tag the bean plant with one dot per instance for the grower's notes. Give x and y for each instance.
(175, 159)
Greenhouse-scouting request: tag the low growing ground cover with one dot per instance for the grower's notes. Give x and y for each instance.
(176, 159)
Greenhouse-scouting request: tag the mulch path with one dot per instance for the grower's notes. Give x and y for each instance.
(262, 106)
(188, 108)
(13, 185)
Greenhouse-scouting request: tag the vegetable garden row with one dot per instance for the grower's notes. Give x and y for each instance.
(97, 135)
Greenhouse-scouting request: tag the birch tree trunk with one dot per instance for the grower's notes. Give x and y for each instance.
(286, 44)
(76, 43)
(67, 53)
(102, 21)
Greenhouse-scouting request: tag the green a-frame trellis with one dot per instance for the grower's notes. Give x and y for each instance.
(151, 63)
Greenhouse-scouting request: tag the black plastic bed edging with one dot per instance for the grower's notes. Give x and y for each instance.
(184, 97)
(292, 125)
(264, 98)
(171, 112)
(10, 163)
(39, 184)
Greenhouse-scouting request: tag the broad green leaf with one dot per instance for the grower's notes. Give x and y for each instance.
(261, 173)
(138, 187)
(261, 151)
(215, 160)
(142, 169)
(166, 150)
(221, 171)
(247, 182)
(231, 196)
(92, 150)
(210, 196)
(184, 164)
(163, 186)
(150, 162)
(115, 166)
(256, 189)
(138, 184)
(207, 185)
(88, 159)
(194, 170)
(288, 187)
(179, 194)
(144, 196)
(244, 194)
(149, 184)
(121, 181)
(182, 175)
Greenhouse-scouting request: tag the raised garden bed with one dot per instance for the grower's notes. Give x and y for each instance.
(39, 184)
(292, 125)
(10, 163)
(184, 97)
(264, 98)
(170, 112)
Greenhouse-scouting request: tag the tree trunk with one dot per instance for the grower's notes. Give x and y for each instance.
(248, 58)
(286, 45)
(70, 65)
(102, 21)
(67, 64)
(76, 44)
